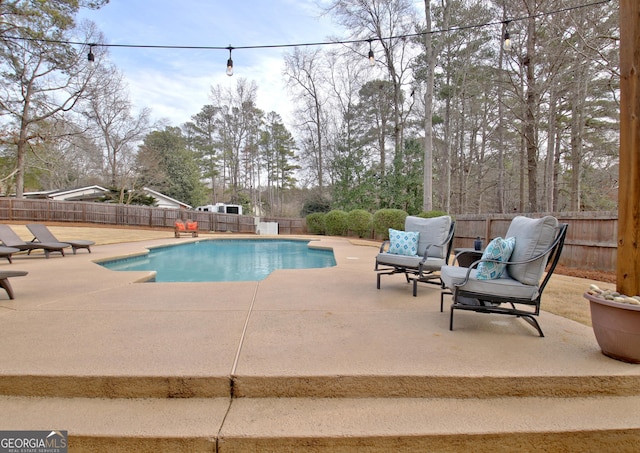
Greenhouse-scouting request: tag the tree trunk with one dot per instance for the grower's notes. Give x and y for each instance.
(577, 96)
(549, 180)
(530, 118)
(501, 126)
(427, 190)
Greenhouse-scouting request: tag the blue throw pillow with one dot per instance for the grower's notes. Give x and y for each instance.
(498, 249)
(403, 242)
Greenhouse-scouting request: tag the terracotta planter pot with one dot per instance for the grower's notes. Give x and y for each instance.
(616, 327)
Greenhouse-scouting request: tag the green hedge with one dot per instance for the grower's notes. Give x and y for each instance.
(384, 219)
(335, 222)
(431, 214)
(315, 223)
(360, 222)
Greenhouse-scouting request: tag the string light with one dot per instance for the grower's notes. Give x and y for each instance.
(230, 62)
(506, 42)
(506, 45)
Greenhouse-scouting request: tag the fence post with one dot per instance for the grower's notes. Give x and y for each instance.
(487, 232)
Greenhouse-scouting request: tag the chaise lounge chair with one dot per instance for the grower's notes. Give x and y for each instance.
(10, 239)
(508, 279)
(6, 252)
(43, 235)
(4, 280)
(431, 240)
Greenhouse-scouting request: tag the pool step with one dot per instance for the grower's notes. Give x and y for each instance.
(333, 424)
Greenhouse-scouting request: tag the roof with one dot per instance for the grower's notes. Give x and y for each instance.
(162, 197)
(90, 193)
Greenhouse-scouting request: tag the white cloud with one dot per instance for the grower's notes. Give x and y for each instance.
(175, 83)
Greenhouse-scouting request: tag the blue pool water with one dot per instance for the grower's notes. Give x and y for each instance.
(227, 260)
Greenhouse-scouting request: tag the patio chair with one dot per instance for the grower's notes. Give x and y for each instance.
(418, 252)
(43, 235)
(506, 280)
(4, 281)
(10, 239)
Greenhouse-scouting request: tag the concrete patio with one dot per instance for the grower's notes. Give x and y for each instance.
(311, 360)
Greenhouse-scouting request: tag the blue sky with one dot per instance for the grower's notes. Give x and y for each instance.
(176, 83)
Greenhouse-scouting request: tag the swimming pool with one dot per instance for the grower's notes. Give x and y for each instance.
(225, 260)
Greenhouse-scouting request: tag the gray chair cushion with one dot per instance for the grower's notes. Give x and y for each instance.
(503, 286)
(391, 259)
(533, 236)
(432, 231)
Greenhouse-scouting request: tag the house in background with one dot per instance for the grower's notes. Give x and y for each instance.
(88, 193)
(164, 201)
(95, 192)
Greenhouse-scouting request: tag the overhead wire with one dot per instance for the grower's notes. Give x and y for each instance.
(310, 44)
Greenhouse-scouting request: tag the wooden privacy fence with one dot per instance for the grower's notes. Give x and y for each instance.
(25, 210)
(591, 241)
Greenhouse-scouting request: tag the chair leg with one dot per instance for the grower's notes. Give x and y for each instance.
(378, 275)
(531, 320)
(415, 287)
(4, 283)
(451, 319)
(442, 294)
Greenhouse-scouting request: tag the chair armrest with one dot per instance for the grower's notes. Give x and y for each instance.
(383, 245)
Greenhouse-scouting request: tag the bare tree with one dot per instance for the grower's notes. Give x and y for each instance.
(304, 77)
(108, 111)
(387, 22)
(238, 129)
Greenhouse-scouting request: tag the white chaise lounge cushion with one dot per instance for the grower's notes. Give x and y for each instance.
(533, 236)
(503, 286)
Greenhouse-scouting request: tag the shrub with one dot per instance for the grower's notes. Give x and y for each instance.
(315, 223)
(315, 204)
(430, 214)
(383, 219)
(360, 222)
(336, 223)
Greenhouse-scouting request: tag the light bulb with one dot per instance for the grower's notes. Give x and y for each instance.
(372, 57)
(230, 62)
(506, 45)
